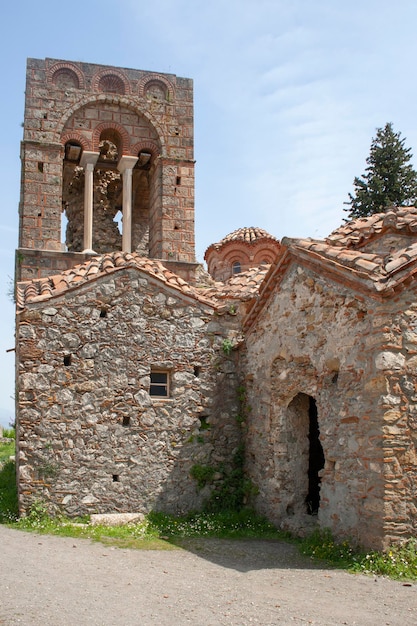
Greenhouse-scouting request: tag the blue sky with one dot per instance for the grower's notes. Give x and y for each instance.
(288, 95)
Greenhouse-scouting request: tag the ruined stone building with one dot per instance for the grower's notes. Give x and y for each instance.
(140, 375)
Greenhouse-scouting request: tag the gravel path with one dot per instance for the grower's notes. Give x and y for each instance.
(67, 582)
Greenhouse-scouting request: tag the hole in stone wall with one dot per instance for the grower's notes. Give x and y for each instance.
(197, 370)
(67, 360)
(115, 478)
(176, 227)
(204, 424)
(45, 116)
(126, 420)
(103, 312)
(335, 377)
(40, 167)
(178, 181)
(315, 461)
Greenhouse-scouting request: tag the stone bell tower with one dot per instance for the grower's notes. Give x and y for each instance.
(107, 165)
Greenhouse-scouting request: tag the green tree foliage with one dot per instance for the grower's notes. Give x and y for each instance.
(389, 178)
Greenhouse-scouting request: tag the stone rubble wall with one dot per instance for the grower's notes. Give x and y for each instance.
(84, 370)
(355, 357)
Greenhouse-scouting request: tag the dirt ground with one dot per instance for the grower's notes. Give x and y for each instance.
(66, 582)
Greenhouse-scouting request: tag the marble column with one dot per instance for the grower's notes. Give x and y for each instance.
(88, 161)
(125, 167)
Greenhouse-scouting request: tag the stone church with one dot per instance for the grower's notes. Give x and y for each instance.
(140, 376)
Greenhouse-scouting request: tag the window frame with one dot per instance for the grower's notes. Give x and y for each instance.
(165, 385)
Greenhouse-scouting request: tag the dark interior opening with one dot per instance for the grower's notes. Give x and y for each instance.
(315, 460)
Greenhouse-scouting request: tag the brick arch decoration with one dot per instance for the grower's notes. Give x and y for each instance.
(122, 101)
(111, 77)
(236, 254)
(78, 137)
(145, 145)
(145, 82)
(267, 254)
(58, 68)
(120, 130)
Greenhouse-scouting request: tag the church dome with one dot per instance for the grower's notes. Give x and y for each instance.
(242, 249)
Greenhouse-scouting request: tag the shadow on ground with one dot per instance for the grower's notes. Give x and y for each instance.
(244, 555)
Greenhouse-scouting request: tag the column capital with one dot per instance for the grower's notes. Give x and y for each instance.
(126, 163)
(89, 158)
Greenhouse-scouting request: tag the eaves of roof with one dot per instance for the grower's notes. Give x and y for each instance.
(44, 289)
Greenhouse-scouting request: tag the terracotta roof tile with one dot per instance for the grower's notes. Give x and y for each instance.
(356, 232)
(45, 288)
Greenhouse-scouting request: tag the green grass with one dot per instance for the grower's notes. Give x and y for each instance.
(6, 450)
(9, 433)
(157, 531)
(399, 562)
(8, 493)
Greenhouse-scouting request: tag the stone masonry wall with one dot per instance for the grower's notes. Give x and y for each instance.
(394, 369)
(317, 339)
(91, 438)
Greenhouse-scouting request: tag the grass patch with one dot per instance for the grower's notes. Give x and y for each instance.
(8, 493)
(399, 562)
(158, 530)
(7, 450)
(9, 433)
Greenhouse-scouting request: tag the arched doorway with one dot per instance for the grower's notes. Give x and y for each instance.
(305, 454)
(315, 460)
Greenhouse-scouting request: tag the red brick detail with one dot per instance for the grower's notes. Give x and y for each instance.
(157, 79)
(146, 145)
(55, 69)
(107, 79)
(120, 130)
(98, 100)
(77, 137)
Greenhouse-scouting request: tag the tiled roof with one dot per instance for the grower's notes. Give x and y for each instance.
(45, 288)
(242, 286)
(357, 232)
(342, 257)
(247, 235)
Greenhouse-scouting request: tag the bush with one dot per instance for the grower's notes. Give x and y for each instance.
(8, 493)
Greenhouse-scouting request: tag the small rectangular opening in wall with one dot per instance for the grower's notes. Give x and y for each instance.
(159, 386)
(178, 181)
(67, 360)
(40, 167)
(103, 312)
(197, 370)
(204, 424)
(126, 420)
(115, 478)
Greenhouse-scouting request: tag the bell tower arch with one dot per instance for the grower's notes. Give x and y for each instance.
(109, 150)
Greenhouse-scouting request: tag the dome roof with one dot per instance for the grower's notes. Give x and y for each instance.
(248, 234)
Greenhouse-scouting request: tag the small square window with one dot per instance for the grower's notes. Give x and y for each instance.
(159, 384)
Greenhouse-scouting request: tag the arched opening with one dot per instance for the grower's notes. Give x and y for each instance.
(142, 177)
(315, 460)
(301, 435)
(236, 267)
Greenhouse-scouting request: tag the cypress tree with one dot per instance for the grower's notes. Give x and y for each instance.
(389, 178)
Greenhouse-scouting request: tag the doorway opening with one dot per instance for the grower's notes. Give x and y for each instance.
(315, 460)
